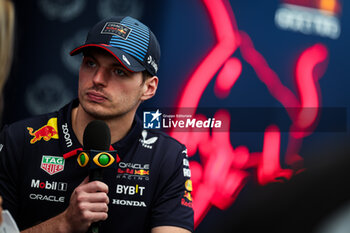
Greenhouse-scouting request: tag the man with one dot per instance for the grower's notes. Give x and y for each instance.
(47, 190)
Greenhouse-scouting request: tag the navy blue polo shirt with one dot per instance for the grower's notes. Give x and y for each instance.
(150, 186)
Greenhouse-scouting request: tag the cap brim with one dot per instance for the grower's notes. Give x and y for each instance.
(129, 62)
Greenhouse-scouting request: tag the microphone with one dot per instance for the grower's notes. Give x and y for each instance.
(96, 138)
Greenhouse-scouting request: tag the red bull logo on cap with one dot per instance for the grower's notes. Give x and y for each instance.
(46, 132)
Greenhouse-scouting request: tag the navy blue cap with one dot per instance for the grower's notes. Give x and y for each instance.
(131, 42)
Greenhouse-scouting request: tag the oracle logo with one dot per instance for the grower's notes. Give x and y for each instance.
(50, 198)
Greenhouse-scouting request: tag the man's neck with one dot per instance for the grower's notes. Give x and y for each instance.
(119, 127)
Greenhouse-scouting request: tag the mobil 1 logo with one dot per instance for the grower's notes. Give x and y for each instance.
(53, 185)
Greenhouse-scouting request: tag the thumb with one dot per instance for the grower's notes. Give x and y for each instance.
(85, 181)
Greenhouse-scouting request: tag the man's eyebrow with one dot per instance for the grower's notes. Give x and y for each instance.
(117, 64)
(114, 64)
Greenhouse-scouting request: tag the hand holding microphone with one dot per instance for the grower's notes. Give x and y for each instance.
(88, 204)
(89, 201)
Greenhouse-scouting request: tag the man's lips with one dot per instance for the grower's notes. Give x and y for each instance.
(96, 96)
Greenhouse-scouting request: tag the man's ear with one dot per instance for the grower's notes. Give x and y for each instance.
(149, 88)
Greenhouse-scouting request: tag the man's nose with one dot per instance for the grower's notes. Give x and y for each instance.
(100, 78)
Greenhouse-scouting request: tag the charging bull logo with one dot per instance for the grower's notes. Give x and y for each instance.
(224, 169)
(141, 172)
(46, 132)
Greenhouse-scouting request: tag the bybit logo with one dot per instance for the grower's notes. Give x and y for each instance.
(130, 190)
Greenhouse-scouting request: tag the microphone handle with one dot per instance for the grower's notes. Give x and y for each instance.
(95, 174)
(94, 228)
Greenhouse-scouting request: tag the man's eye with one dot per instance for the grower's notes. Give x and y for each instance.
(90, 63)
(119, 72)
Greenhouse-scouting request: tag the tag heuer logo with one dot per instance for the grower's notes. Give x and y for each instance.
(52, 164)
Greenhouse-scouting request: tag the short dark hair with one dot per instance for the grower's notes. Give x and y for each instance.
(146, 75)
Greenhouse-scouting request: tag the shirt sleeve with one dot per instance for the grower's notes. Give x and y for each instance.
(9, 175)
(173, 205)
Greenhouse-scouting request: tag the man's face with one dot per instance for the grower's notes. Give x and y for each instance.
(106, 88)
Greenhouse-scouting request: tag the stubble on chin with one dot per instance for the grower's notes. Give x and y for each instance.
(94, 112)
(97, 112)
